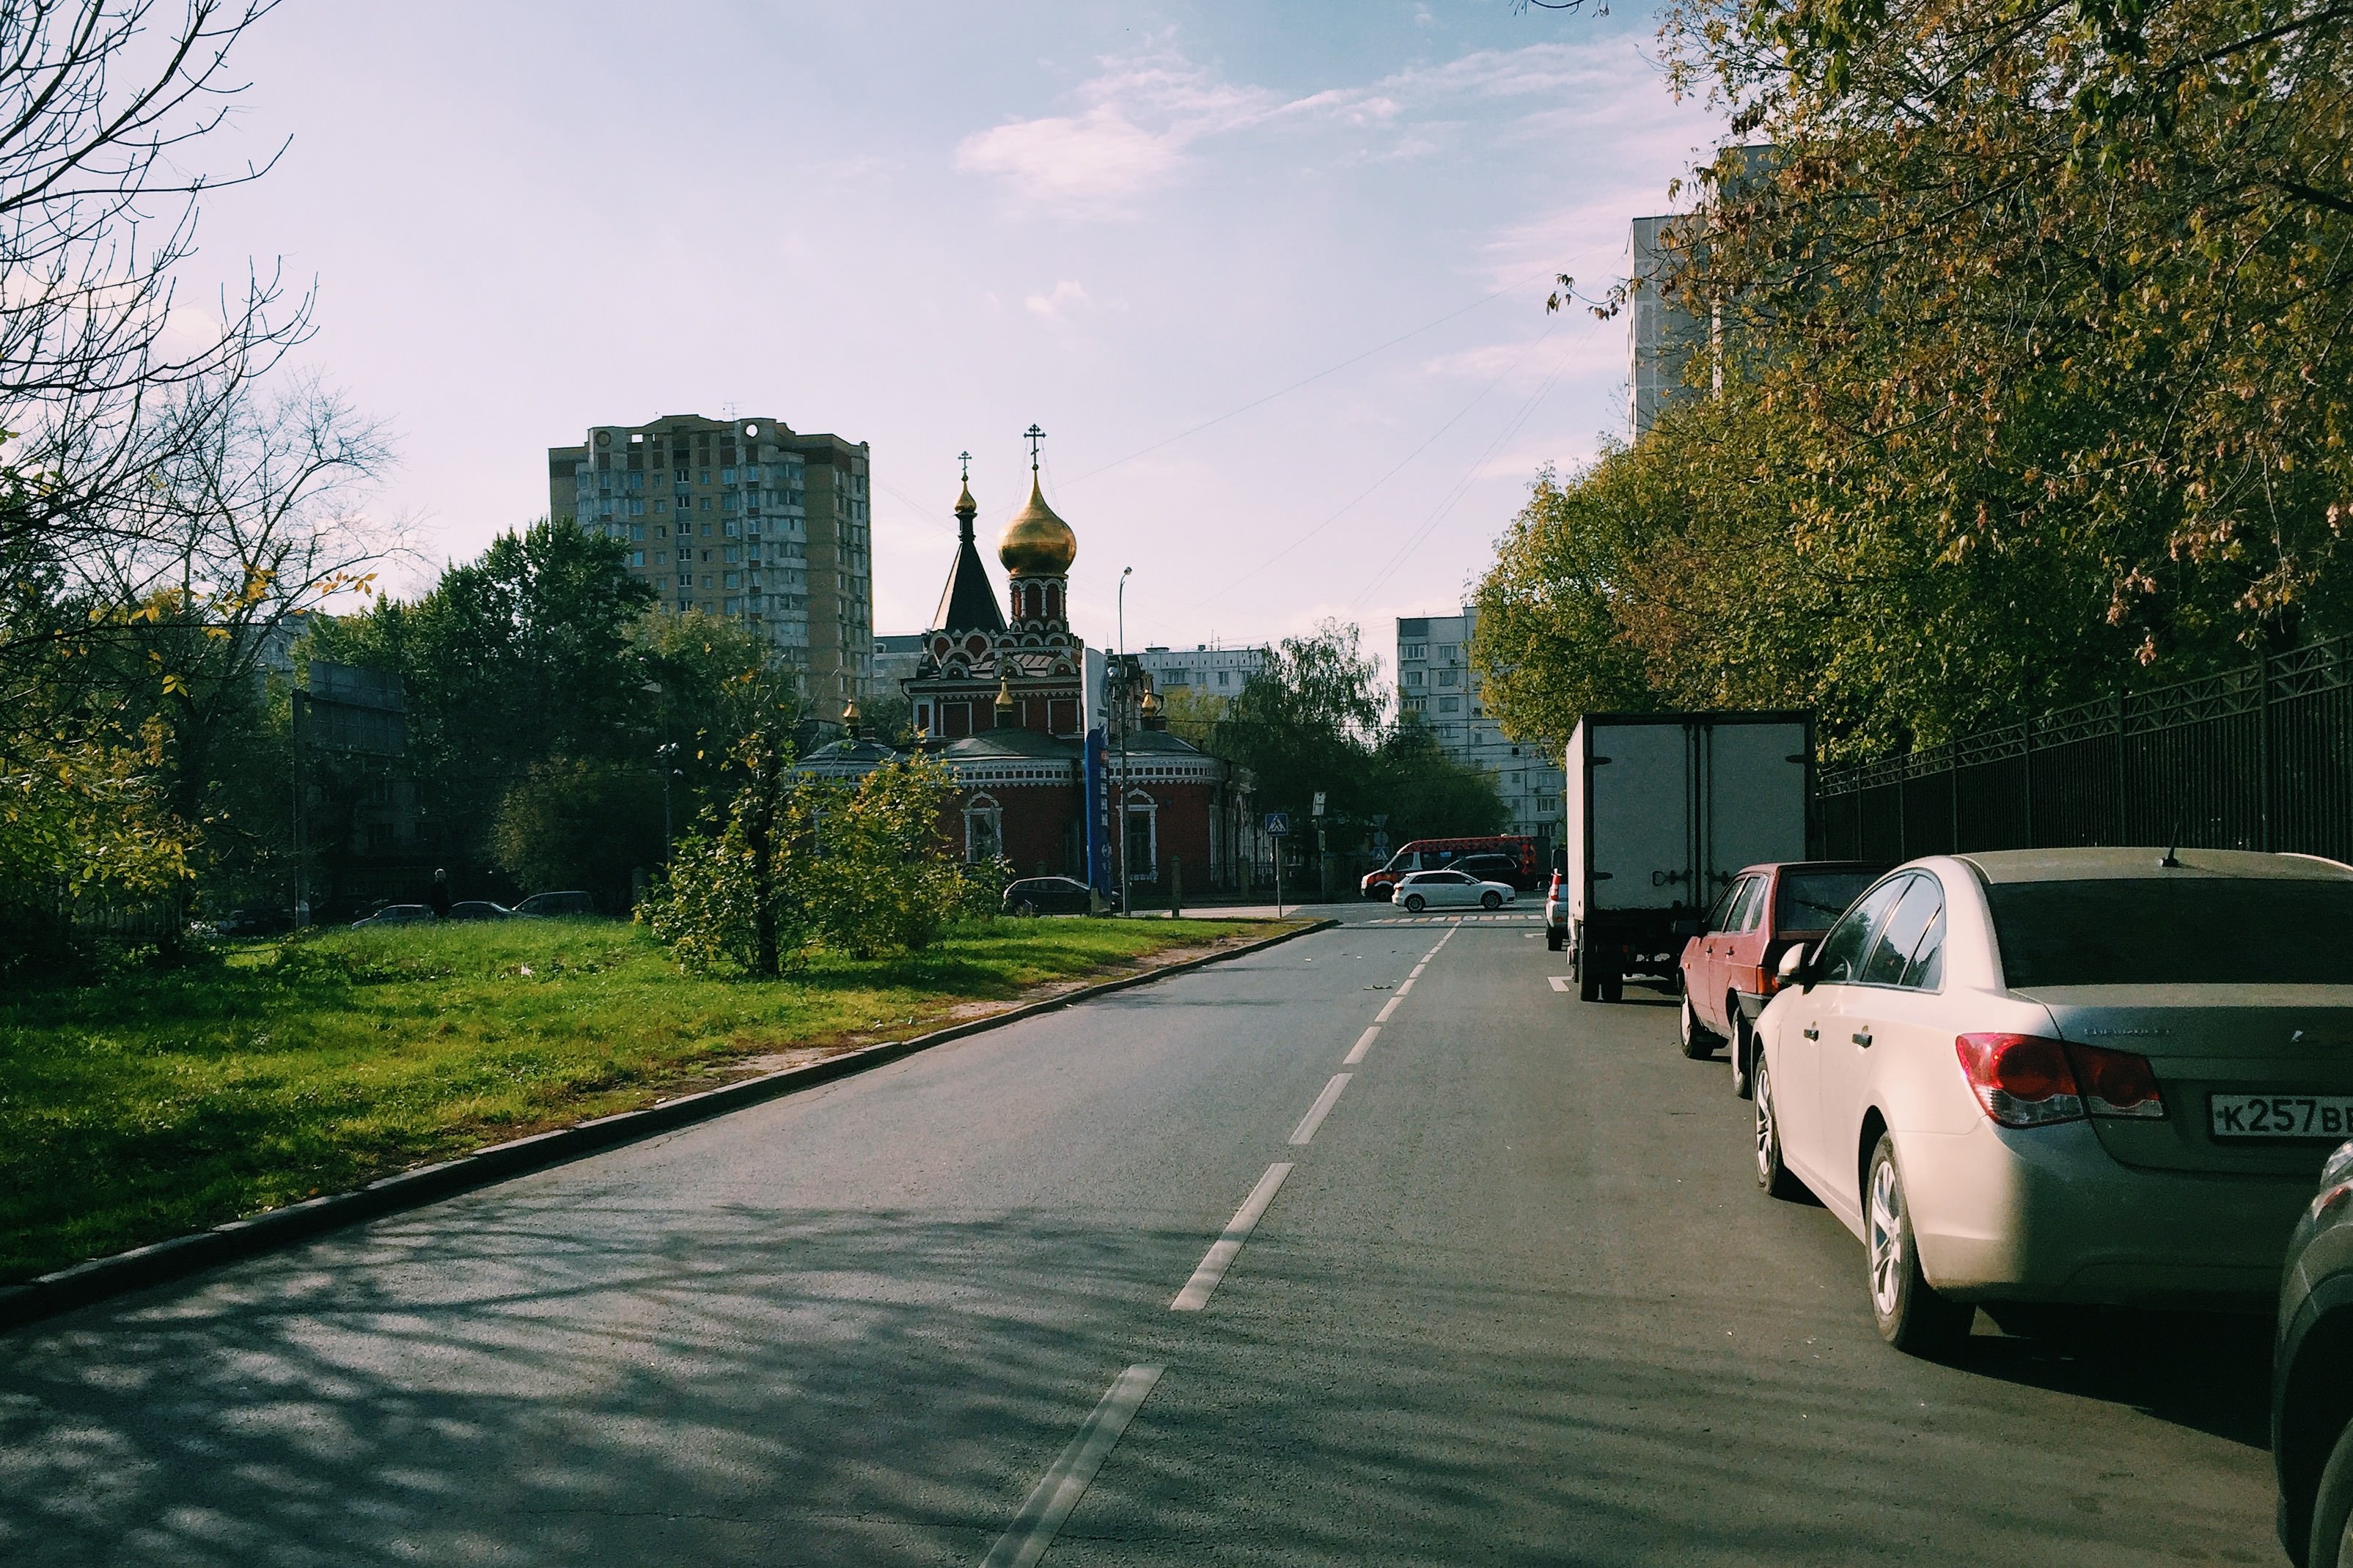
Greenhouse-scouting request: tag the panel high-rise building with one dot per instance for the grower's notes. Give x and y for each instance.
(1436, 686)
(742, 518)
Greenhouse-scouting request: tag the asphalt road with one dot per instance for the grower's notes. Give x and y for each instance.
(1516, 1301)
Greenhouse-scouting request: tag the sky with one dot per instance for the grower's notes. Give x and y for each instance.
(1271, 278)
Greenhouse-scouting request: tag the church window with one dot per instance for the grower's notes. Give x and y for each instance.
(1143, 838)
(984, 830)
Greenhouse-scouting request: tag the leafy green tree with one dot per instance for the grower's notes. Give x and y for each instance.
(573, 823)
(743, 890)
(1425, 794)
(890, 876)
(1308, 722)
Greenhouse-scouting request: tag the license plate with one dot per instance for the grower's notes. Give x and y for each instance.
(2281, 1115)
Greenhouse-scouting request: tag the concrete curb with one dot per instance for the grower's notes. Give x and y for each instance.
(182, 1254)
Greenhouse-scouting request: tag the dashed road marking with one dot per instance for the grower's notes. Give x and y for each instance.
(1321, 1109)
(1221, 1255)
(1066, 1481)
(1364, 1043)
(1559, 982)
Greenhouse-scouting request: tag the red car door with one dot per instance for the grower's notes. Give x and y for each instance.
(1705, 956)
(1743, 947)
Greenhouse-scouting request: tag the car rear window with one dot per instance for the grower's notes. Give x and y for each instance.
(1813, 900)
(2174, 929)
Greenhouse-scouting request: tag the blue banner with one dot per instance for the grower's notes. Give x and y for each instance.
(1098, 809)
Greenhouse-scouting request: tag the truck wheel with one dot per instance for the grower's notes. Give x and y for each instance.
(1551, 939)
(1697, 1042)
(1588, 974)
(1613, 983)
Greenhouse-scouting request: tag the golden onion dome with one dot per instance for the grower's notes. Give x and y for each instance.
(1037, 543)
(1151, 704)
(965, 505)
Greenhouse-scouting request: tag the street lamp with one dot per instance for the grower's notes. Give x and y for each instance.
(1119, 817)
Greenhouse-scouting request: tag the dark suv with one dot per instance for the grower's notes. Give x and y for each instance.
(2312, 1378)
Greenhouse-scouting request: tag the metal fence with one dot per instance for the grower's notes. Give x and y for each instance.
(2256, 758)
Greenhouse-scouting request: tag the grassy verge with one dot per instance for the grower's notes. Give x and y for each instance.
(156, 1104)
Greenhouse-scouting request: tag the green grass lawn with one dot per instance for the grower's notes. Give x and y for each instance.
(157, 1103)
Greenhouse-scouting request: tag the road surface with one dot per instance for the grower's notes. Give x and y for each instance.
(1148, 1281)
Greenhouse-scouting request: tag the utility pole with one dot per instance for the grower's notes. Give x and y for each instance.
(296, 700)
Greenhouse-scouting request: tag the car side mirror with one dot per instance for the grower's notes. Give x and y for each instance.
(1792, 970)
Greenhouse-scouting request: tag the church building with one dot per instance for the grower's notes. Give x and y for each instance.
(1003, 700)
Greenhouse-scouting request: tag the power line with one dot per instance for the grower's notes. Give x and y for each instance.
(1309, 381)
(1462, 486)
(1454, 419)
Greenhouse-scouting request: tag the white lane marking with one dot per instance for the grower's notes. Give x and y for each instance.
(1364, 1043)
(1417, 968)
(1321, 1109)
(1559, 982)
(1066, 1481)
(1221, 1255)
(1383, 1016)
(1404, 985)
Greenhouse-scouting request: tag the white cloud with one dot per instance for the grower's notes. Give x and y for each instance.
(1066, 299)
(1141, 120)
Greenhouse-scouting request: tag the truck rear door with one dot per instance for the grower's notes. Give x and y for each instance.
(1756, 776)
(1641, 813)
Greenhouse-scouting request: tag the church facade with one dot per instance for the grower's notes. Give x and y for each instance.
(1001, 694)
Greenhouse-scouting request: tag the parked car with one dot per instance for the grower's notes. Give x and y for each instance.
(396, 915)
(569, 903)
(2312, 1378)
(1048, 896)
(1418, 890)
(2070, 1076)
(1525, 856)
(1727, 965)
(253, 923)
(480, 909)
(1556, 913)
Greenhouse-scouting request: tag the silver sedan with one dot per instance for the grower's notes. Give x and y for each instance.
(2095, 1075)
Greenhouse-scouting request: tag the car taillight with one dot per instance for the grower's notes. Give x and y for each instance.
(2021, 1080)
(2116, 1083)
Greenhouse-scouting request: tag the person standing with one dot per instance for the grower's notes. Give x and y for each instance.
(439, 897)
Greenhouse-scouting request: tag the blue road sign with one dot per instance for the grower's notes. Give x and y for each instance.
(1278, 824)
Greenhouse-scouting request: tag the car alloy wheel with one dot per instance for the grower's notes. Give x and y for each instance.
(1491, 900)
(1771, 1174)
(1909, 1312)
(1415, 903)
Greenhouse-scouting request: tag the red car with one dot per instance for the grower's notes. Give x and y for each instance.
(1728, 965)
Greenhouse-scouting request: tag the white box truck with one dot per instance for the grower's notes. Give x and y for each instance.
(1663, 811)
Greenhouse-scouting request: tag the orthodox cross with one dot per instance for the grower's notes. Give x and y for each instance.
(965, 459)
(1033, 436)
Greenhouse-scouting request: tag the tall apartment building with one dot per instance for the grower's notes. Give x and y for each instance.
(741, 518)
(1435, 681)
(1215, 671)
(1659, 335)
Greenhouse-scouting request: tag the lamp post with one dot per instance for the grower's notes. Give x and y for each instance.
(1119, 815)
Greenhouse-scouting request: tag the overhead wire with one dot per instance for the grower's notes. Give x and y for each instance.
(1462, 486)
(1456, 418)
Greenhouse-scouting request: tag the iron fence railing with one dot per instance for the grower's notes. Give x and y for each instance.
(2256, 758)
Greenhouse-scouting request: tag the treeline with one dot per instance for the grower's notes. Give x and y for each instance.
(2018, 374)
(555, 718)
(1313, 719)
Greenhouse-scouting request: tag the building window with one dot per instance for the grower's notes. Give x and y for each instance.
(1143, 838)
(984, 830)
(1450, 704)
(735, 579)
(637, 557)
(1446, 652)
(1413, 677)
(1221, 677)
(1414, 650)
(685, 580)
(1446, 677)
(726, 476)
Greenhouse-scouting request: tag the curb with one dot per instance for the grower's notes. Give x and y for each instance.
(273, 1228)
